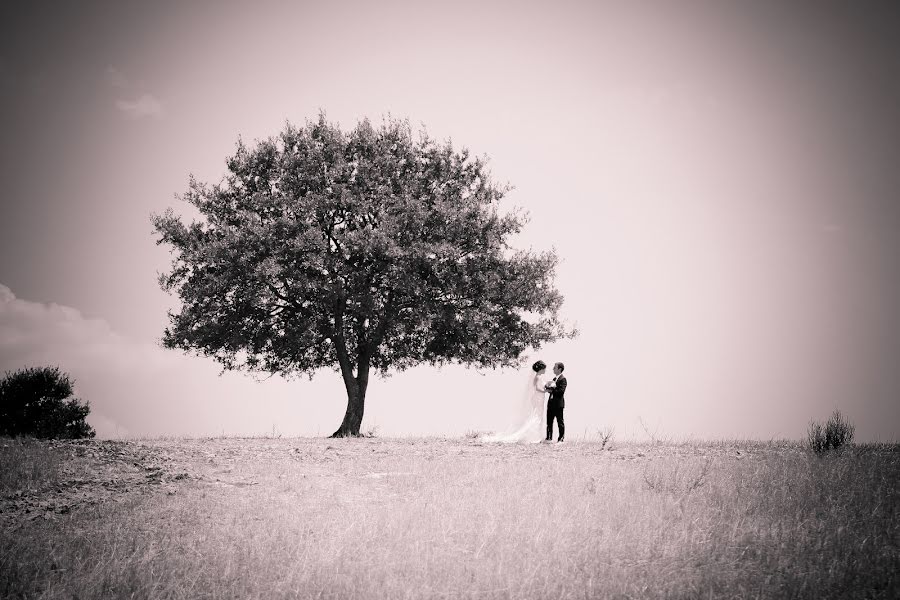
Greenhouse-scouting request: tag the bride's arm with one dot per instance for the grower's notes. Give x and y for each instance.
(538, 387)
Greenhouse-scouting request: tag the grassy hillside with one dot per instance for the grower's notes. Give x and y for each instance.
(433, 518)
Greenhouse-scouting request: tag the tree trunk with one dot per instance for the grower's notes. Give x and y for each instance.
(356, 401)
(356, 385)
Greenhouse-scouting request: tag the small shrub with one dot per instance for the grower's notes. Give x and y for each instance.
(38, 402)
(835, 433)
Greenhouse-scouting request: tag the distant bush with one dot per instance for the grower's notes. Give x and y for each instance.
(38, 402)
(835, 433)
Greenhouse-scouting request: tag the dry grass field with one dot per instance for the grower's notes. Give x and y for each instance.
(445, 518)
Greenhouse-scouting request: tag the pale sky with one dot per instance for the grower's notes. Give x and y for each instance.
(720, 180)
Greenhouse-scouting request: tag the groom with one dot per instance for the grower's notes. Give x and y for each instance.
(557, 402)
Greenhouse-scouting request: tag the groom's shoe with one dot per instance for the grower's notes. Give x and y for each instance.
(560, 441)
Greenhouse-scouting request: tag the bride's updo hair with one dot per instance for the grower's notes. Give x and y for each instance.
(538, 366)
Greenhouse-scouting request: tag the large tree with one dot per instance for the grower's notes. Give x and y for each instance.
(360, 251)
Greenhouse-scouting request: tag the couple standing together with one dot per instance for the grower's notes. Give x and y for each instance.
(533, 420)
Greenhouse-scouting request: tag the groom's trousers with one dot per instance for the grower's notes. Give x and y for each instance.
(554, 410)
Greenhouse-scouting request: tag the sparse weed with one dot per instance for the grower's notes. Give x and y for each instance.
(676, 476)
(653, 435)
(605, 437)
(473, 434)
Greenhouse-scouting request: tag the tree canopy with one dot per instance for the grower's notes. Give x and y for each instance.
(360, 251)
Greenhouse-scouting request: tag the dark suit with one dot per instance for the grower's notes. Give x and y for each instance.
(555, 405)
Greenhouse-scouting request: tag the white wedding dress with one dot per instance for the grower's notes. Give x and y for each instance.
(529, 422)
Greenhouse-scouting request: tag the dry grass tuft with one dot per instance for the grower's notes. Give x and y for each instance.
(835, 433)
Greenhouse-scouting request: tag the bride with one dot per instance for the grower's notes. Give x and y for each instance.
(530, 421)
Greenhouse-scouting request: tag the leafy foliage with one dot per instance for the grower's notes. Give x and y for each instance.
(371, 249)
(835, 433)
(38, 402)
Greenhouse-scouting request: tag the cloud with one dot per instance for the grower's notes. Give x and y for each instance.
(145, 106)
(115, 78)
(137, 388)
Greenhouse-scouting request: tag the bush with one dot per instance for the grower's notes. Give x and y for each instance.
(833, 434)
(38, 402)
